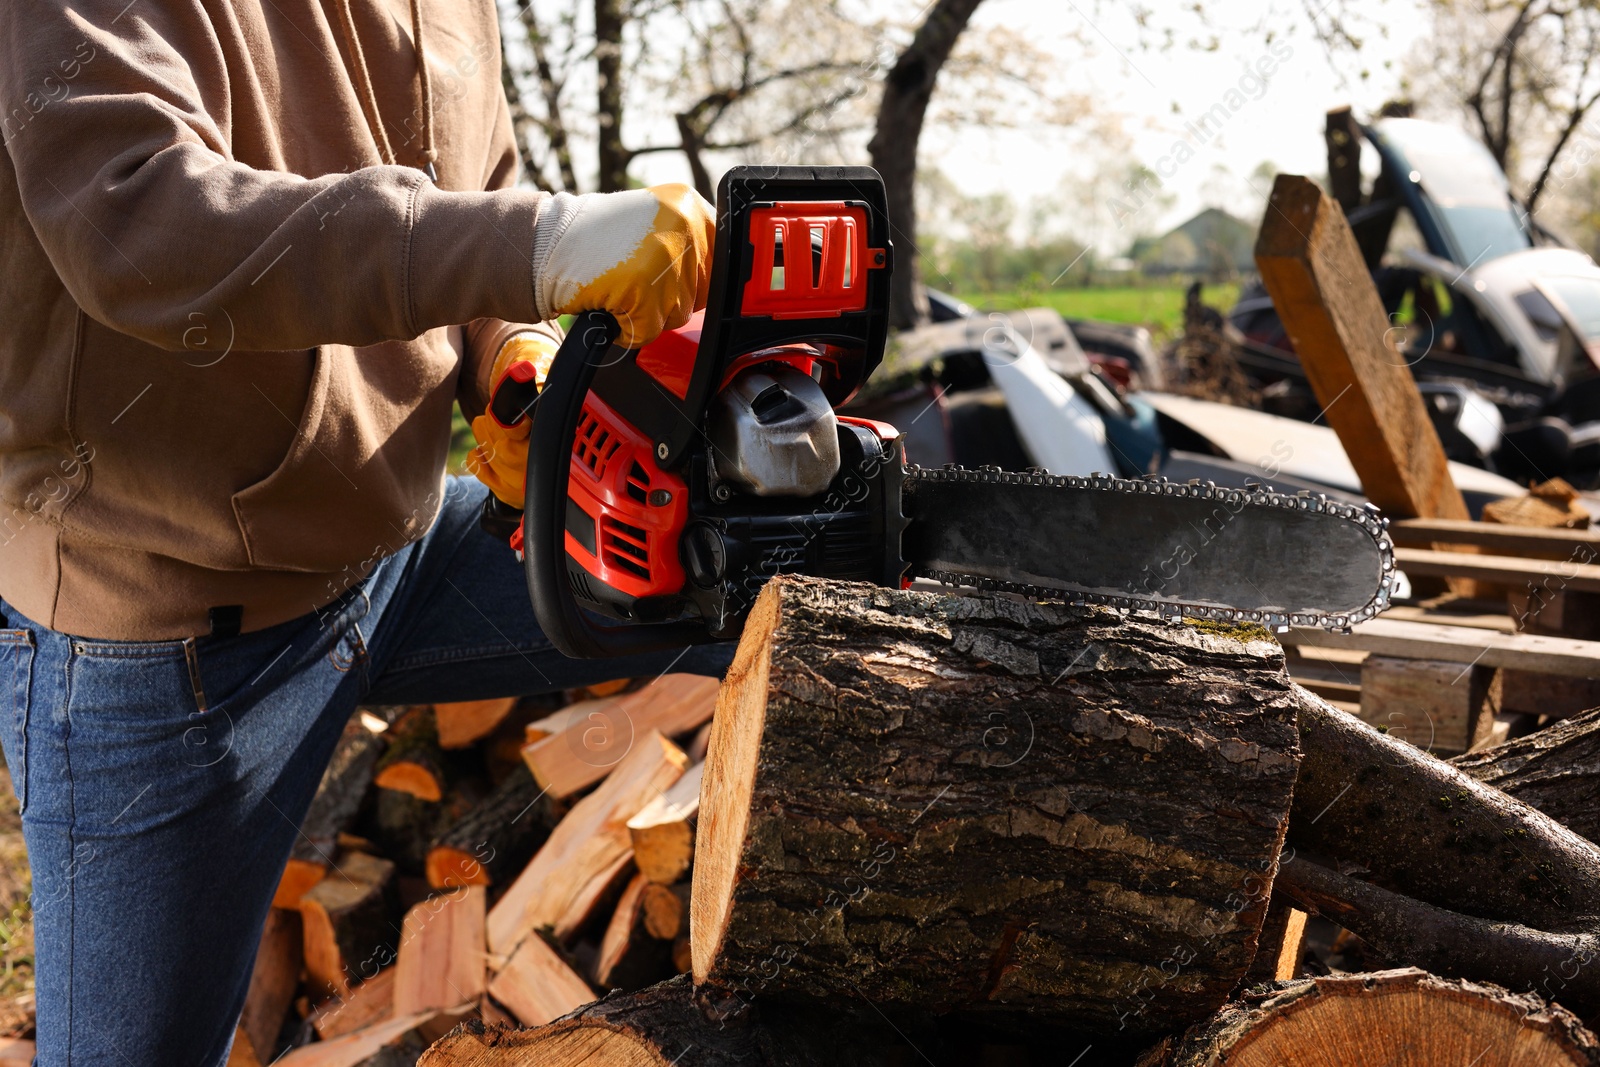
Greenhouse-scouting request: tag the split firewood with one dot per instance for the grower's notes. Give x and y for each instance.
(696, 748)
(663, 833)
(630, 956)
(558, 720)
(496, 837)
(241, 1054)
(1553, 505)
(664, 1025)
(596, 739)
(1405, 931)
(682, 954)
(536, 984)
(333, 808)
(345, 923)
(587, 849)
(1556, 769)
(1426, 829)
(596, 690)
(370, 1002)
(1399, 1018)
(919, 751)
(462, 723)
(666, 909)
(442, 959)
(413, 763)
(357, 1047)
(274, 978)
(1278, 953)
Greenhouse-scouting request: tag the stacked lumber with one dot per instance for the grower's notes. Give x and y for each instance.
(437, 880)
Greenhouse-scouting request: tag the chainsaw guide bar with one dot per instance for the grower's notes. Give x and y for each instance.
(1151, 545)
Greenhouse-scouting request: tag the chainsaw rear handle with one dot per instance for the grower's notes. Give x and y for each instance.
(588, 346)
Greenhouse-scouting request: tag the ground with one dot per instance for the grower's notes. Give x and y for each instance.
(16, 920)
(1159, 307)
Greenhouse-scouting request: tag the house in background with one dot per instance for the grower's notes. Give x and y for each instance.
(1213, 243)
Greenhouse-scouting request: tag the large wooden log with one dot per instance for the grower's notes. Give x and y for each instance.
(665, 1026)
(1556, 770)
(1425, 829)
(980, 803)
(1401, 1018)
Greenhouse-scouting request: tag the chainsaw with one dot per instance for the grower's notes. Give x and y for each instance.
(666, 485)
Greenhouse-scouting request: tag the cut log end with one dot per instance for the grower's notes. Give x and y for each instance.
(404, 776)
(1400, 1018)
(449, 867)
(729, 779)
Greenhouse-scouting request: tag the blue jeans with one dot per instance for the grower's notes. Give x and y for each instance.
(162, 783)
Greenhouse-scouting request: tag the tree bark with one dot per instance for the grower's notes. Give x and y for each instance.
(1400, 1018)
(1035, 812)
(609, 19)
(1556, 769)
(1425, 829)
(496, 838)
(1409, 932)
(906, 92)
(667, 1024)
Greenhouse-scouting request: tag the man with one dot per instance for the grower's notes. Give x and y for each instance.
(250, 254)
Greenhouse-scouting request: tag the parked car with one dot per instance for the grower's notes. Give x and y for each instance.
(977, 391)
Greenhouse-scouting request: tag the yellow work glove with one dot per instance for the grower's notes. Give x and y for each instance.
(644, 255)
(500, 459)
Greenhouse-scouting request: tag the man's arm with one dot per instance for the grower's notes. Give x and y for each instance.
(127, 182)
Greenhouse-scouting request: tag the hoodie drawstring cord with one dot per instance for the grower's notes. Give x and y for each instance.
(363, 80)
(425, 92)
(369, 98)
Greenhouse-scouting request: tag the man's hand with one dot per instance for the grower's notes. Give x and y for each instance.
(644, 255)
(500, 460)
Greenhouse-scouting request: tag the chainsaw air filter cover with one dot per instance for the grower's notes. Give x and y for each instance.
(773, 433)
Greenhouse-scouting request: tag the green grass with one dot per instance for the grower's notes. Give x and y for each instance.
(1159, 307)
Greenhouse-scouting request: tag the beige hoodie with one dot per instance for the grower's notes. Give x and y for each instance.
(226, 362)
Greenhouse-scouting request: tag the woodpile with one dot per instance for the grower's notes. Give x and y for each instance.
(975, 827)
(436, 880)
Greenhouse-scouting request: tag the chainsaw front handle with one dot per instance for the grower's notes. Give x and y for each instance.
(589, 345)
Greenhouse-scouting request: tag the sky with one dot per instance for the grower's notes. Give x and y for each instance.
(1158, 94)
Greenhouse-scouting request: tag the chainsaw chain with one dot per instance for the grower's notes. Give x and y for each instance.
(1366, 516)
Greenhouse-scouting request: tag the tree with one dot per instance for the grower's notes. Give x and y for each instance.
(893, 148)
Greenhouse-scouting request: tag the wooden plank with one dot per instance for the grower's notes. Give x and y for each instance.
(442, 959)
(585, 849)
(1501, 570)
(1318, 281)
(1459, 644)
(1580, 546)
(537, 985)
(1439, 706)
(589, 746)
